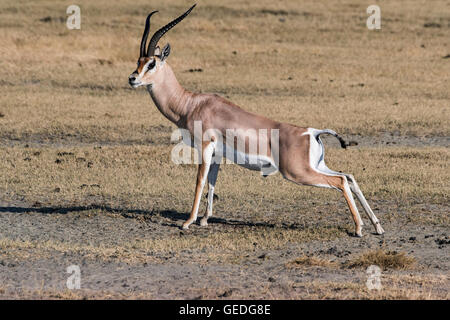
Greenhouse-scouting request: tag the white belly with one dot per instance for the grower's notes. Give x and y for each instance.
(254, 162)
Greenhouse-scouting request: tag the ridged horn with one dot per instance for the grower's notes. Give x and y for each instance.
(145, 35)
(158, 34)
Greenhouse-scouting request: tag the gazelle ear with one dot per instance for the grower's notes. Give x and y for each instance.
(165, 52)
(157, 51)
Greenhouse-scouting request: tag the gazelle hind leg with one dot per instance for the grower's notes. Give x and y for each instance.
(357, 191)
(212, 178)
(340, 182)
(203, 170)
(345, 188)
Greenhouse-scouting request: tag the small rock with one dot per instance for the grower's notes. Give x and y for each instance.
(103, 62)
(226, 294)
(37, 204)
(64, 153)
(196, 70)
(442, 241)
(49, 19)
(432, 25)
(46, 19)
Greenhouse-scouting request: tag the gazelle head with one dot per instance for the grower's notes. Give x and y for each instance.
(151, 62)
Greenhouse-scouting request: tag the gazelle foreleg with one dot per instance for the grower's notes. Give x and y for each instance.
(212, 178)
(203, 170)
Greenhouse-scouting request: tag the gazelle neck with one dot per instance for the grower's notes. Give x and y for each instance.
(171, 99)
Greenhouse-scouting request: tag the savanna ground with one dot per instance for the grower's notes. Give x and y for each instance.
(86, 177)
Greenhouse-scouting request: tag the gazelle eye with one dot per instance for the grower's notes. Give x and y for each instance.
(151, 65)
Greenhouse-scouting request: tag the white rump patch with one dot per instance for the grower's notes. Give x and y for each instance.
(317, 155)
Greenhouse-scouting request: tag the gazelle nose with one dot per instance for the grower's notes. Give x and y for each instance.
(132, 78)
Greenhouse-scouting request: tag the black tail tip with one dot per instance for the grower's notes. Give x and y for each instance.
(343, 143)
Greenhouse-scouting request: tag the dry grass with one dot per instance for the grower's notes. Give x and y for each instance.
(399, 287)
(64, 86)
(310, 262)
(55, 294)
(144, 178)
(32, 250)
(229, 247)
(386, 260)
(383, 259)
(394, 286)
(68, 89)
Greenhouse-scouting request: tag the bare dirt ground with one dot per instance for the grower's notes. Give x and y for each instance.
(86, 177)
(195, 274)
